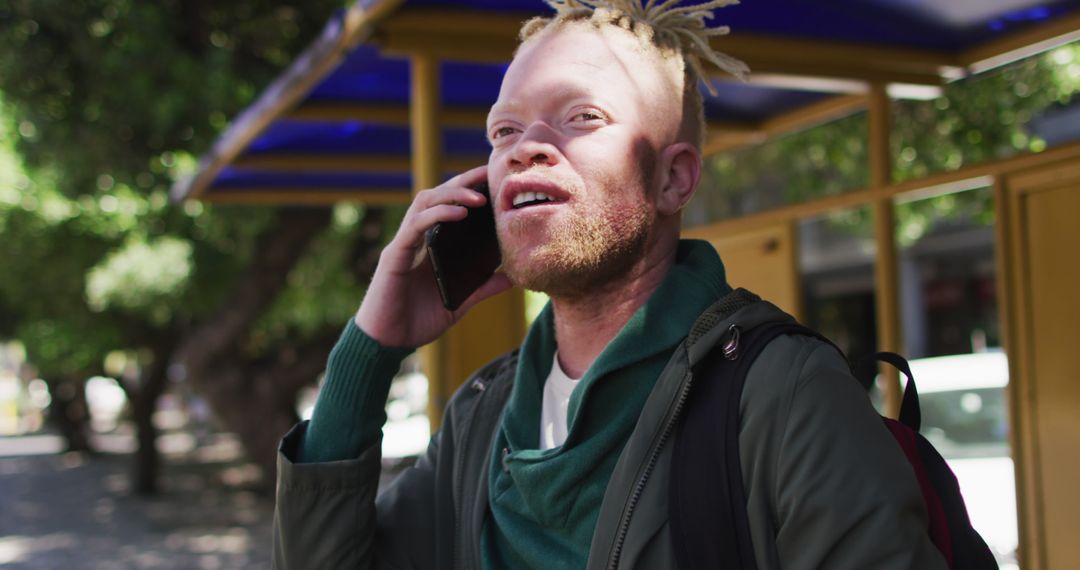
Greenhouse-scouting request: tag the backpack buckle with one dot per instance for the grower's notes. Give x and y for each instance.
(730, 348)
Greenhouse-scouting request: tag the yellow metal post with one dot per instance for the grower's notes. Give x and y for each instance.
(885, 277)
(491, 328)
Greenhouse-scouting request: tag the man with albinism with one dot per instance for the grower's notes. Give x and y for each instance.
(596, 143)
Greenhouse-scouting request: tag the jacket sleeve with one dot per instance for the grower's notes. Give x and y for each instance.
(845, 496)
(326, 515)
(329, 469)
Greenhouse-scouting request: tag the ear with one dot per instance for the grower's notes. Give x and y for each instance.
(680, 165)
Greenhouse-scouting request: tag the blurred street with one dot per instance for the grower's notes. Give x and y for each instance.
(74, 511)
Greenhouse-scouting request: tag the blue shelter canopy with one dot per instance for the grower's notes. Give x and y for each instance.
(337, 124)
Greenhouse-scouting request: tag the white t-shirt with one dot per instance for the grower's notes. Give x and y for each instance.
(557, 390)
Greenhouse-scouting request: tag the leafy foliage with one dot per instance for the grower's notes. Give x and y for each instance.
(141, 276)
(321, 289)
(121, 89)
(103, 103)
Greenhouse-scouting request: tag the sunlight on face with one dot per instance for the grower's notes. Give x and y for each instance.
(580, 118)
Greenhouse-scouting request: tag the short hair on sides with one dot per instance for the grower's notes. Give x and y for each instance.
(673, 33)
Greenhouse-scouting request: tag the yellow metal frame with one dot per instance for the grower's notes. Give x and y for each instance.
(721, 138)
(887, 296)
(765, 260)
(491, 328)
(1022, 44)
(1015, 295)
(865, 196)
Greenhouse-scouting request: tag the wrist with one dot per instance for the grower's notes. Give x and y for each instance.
(378, 337)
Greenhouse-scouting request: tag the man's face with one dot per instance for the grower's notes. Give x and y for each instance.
(574, 136)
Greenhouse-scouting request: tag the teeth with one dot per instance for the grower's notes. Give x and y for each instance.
(526, 197)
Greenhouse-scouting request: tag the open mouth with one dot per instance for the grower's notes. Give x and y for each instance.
(526, 199)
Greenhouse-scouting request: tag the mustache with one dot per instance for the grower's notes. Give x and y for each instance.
(539, 174)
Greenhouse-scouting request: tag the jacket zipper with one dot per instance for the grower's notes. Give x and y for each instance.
(479, 385)
(730, 351)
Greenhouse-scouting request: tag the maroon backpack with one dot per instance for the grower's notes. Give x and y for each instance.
(709, 524)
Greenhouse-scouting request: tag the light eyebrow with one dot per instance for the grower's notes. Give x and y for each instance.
(558, 94)
(509, 107)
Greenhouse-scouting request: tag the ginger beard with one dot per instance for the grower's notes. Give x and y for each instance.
(601, 235)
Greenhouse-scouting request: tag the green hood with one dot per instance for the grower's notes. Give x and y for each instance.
(544, 503)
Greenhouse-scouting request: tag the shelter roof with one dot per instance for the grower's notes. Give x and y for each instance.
(336, 125)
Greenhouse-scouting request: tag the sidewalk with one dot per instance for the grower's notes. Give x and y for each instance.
(75, 512)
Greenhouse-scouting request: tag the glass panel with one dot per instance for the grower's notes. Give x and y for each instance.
(795, 168)
(945, 250)
(836, 263)
(1026, 106)
(949, 313)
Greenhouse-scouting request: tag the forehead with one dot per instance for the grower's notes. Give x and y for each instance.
(577, 60)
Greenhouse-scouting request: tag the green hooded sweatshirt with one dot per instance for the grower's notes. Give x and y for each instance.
(545, 503)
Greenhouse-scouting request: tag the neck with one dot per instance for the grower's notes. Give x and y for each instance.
(585, 325)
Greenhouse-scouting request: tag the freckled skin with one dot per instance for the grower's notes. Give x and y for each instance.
(543, 127)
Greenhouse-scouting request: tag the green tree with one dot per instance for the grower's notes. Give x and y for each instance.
(104, 102)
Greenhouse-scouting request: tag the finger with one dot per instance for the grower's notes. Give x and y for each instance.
(425, 220)
(493, 286)
(447, 195)
(410, 234)
(470, 178)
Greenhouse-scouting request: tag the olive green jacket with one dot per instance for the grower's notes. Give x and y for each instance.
(827, 486)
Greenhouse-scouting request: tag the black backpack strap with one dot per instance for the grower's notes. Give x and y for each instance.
(910, 413)
(707, 499)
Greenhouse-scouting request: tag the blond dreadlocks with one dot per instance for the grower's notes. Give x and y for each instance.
(673, 29)
(675, 32)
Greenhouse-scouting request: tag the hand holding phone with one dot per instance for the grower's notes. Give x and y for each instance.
(403, 305)
(464, 254)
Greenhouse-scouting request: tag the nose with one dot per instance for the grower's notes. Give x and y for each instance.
(535, 147)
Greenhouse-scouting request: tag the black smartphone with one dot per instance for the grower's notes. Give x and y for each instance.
(465, 253)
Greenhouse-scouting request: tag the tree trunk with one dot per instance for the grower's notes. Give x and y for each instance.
(279, 248)
(69, 411)
(143, 393)
(146, 465)
(260, 424)
(210, 356)
(256, 399)
(246, 410)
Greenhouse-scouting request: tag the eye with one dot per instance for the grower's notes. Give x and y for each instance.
(500, 132)
(587, 117)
